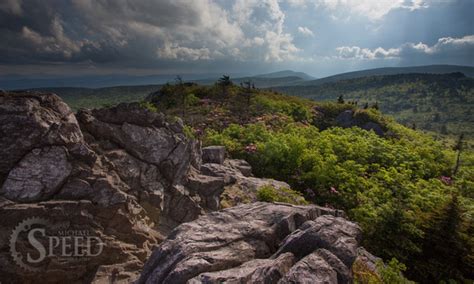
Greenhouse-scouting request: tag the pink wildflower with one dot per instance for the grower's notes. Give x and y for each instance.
(446, 180)
(251, 148)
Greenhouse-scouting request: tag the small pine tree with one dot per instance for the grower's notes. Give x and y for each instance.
(225, 83)
(340, 100)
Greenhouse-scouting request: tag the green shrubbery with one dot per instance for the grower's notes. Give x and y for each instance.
(297, 110)
(271, 194)
(392, 187)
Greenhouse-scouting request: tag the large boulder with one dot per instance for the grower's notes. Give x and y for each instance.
(38, 176)
(258, 243)
(30, 120)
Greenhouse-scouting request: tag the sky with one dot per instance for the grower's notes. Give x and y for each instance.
(319, 37)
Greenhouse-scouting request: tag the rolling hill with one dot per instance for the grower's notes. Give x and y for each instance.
(437, 102)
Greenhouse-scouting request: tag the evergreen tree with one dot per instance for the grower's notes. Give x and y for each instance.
(444, 253)
(225, 83)
(340, 100)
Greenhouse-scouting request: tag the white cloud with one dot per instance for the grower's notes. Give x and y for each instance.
(305, 31)
(183, 53)
(262, 21)
(373, 9)
(444, 46)
(298, 3)
(355, 52)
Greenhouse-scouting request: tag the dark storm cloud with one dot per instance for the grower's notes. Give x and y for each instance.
(36, 33)
(210, 34)
(136, 31)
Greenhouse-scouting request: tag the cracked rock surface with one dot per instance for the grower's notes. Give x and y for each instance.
(258, 243)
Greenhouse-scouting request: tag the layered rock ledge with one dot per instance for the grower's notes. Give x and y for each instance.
(258, 243)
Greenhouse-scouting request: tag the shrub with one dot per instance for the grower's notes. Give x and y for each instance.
(391, 273)
(269, 193)
(390, 186)
(149, 106)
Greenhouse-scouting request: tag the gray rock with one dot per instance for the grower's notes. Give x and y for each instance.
(253, 271)
(240, 187)
(348, 119)
(240, 165)
(227, 239)
(38, 176)
(213, 154)
(374, 127)
(131, 113)
(345, 119)
(209, 187)
(344, 273)
(33, 120)
(312, 269)
(335, 234)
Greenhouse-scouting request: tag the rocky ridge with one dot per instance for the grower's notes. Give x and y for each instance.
(130, 177)
(125, 174)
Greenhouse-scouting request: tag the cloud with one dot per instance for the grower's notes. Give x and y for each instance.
(355, 52)
(143, 31)
(264, 19)
(373, 9)
(183, 53)
(298, 3)
(445, 47)
(305, 31)
(11, 6)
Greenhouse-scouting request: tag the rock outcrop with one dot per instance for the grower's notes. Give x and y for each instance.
(349, 118)
(258, 243)
(124, 175)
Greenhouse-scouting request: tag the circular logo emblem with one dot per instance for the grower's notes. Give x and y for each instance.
(27, 228)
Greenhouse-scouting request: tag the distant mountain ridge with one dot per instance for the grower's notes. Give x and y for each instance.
(267, 80)
(426, 69)
(274, 79)
(286, 73)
